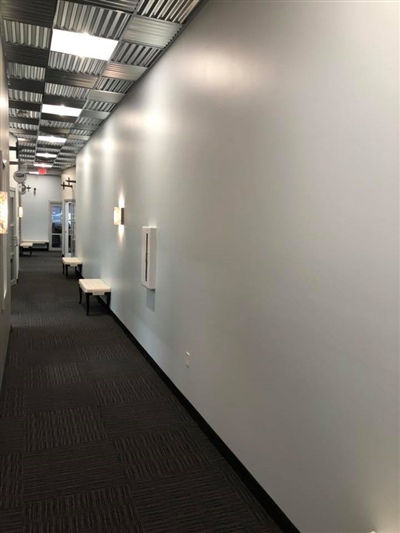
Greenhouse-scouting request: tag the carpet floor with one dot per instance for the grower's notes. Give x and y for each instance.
(91, 439)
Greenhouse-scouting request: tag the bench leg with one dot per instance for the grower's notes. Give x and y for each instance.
(66, 271)
(80, 294)
(87, 303)
(63, 267)
(108, 298)
(30, 251)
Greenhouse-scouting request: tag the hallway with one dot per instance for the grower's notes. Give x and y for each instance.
(91, 439)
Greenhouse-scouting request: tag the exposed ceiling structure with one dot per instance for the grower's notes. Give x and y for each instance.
(41, 78)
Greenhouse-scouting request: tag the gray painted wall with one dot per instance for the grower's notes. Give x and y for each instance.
(264, 146)
(5, 293)
(35, 222)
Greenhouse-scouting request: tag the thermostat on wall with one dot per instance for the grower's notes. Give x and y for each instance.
(149, 243)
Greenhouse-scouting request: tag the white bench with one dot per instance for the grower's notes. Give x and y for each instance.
(40, 243)
(93, 287)
(25, 245)
(73, 262)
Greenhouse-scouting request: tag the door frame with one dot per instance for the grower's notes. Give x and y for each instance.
(51, 203)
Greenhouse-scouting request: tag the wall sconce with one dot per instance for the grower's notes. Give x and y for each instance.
(3, 212)
(20, 211)
(119, 216)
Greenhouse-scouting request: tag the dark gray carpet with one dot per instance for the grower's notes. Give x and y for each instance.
(91, 439)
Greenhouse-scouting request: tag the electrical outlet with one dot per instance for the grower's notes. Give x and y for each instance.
(188, 358)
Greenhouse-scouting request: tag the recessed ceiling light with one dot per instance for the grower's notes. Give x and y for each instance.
(43, 165)
(33, 172)
(46, 155)
(51, 139)
(61, 110)
(82, 44)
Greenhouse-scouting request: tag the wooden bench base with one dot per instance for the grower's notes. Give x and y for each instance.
(93, 287)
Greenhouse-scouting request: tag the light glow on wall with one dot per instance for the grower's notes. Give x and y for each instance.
(3, 212)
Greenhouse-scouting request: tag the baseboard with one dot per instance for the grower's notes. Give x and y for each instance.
(251, 483)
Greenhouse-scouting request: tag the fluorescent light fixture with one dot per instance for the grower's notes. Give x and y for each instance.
(82, 45)
(118, 216)
(3, 212)
(33, 172)
(46, 155)
(20, 211)
(43, 165)
(61, 110)
(51, 139)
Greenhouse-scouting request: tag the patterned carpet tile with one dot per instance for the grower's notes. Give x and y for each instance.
(163, 454)
(123, 421)
(51, 429)
(11, 435)
(59, 397)
(127, 391)
(49, 357)
(53, 375)
(110, 509)
(11, 402)
(108, 352)
(117, 369)
(199, 503)
(11, 521)
(61, 472)
(10, 482)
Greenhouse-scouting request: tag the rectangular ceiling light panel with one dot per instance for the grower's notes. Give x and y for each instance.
(61, 110)
(51, 139)
(82, 45)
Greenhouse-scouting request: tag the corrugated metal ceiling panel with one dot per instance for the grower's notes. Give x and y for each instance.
(90, 19)
(26, 55)
(150, 32)
(37, 12)
(104, 96)
(28, 72)
(29, 114)
(56, 123)
(136, 54)
(26, 34)
(74, 79)
(94, 114)
(170, 10)
(76, 64)
(116, 86)
(24, 96)
(65, 91)
(32, 86)
(27, 127)
(123, 72)
(88, 121)
(99, 106)
(120, 5)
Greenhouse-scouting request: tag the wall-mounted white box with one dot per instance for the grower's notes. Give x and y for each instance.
(149, 251)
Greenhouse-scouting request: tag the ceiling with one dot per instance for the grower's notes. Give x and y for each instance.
(37, 75)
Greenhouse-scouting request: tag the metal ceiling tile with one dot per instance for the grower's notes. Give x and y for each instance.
(99, 106)
(23, 120)
(61, 100)
(31, 86)
(62, 77)
(25, 126)
(25, 97)
(129, 6)
(28, 106)
(94, 114)
(104, 96)
(54, 131)
(117, 86)
(136, 54)
(79, 137)
(123, 72)
(88, 122)
(26, 34)
(22, 113)
(76, 64)
(67, 121)
(84, 128)
(150, 32)
(26, 55)
(20, 131)
(37, 12)
(94, 20)
(171, 10)
(66, 92)
(55, 123)
(28, 72)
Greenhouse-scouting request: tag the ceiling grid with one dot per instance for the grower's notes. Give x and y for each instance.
(40, 76)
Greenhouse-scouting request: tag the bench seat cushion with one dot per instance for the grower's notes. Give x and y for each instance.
(94, 286)
(72, 261)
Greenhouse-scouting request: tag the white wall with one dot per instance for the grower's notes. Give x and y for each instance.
(264, 146)
(35, 222)
(5, 293)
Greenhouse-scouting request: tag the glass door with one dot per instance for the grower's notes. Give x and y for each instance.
(55, 225)
(12, 235)
(69, 228)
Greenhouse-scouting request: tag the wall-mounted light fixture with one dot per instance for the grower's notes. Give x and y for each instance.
(67, 183)
(119, 216)
(3, 212)
(20, 211)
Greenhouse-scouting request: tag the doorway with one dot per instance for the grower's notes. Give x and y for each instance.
(55, 225)
(69, 229)
(13, 237)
